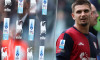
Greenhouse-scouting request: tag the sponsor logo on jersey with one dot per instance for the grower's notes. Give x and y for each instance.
(84, 56)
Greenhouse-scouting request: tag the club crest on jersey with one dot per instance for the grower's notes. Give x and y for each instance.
(62, 43)
(95, 45)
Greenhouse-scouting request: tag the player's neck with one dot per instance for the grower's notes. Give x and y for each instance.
(82, 29)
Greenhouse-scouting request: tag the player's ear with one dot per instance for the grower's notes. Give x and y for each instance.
(73, 16)
(91, 14)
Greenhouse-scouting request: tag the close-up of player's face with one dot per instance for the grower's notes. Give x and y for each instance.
(81, 14)
(95, 15)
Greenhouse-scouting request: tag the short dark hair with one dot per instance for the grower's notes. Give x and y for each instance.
(27, 0)
(80, 2)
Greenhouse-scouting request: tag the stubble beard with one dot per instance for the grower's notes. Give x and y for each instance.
(85, 24)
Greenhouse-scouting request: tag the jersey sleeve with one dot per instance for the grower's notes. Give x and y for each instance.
(94, 43)
(98, 49)
(64, 45)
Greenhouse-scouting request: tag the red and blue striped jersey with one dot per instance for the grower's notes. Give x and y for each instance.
(74, 45)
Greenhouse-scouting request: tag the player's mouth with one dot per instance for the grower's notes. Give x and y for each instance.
(83, 19)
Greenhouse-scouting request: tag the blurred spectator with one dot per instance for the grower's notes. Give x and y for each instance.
(93, 20)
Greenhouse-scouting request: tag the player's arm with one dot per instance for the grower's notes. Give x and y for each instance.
(64, 45)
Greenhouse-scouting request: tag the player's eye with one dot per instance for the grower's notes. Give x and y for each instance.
(79, 12)
(86, 11)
